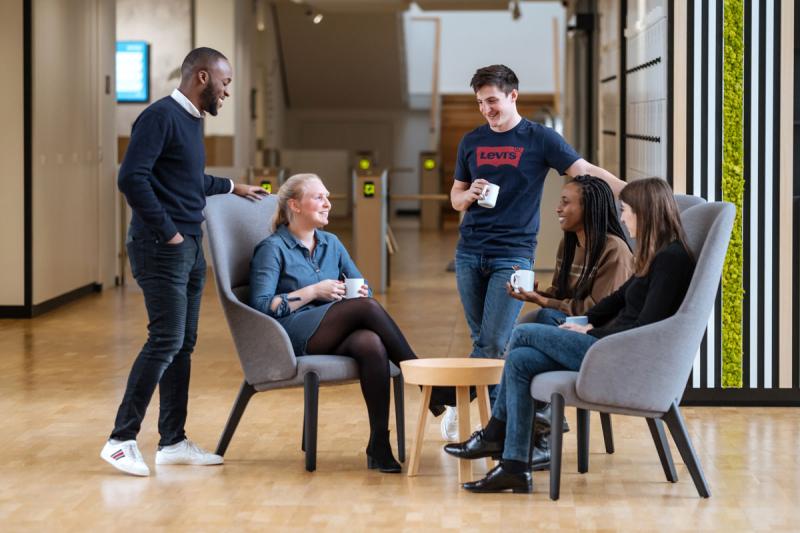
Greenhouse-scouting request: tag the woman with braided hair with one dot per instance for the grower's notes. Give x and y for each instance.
(593, 259)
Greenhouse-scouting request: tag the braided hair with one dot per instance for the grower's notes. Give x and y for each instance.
(599, 220)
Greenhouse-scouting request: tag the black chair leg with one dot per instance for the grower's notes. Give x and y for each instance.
(303, 438)
(245, 393)
(556, 440)
(677, 428)
(608, 433)
(311, 401)
(400, 416)
(662, 447)
(583, 441)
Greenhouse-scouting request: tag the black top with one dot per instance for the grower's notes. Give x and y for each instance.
(163, 174)
(647, 299)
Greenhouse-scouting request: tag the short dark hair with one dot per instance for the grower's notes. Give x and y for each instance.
(200, 59)
(500, 76)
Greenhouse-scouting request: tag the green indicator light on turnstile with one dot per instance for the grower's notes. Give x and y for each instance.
(369, 189)
(267, 186)
(429, 164)
(364, 163)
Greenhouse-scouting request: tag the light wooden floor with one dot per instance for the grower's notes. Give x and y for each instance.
(62, 376)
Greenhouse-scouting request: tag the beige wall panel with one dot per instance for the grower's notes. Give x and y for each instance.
(12, 231)
(65, 222)
(214, 23)
(679, 98)
(108, 198)
(786, 268)
(166, 25)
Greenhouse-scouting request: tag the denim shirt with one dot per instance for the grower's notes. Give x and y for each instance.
(282, 264)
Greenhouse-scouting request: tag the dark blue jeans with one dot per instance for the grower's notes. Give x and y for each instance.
(534, 349)
(171, 278)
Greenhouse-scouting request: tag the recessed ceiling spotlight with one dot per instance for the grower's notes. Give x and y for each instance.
(317, 18)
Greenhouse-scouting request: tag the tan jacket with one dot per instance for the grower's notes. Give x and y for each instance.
(613, 269)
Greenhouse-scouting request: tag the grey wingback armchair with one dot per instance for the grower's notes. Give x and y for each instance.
(643, 371)
(235, 226)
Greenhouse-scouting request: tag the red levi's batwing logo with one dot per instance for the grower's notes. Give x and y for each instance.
(499, 155)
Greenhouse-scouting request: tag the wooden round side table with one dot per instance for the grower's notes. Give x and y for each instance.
(461, 373)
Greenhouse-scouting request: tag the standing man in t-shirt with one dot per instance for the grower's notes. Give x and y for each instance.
(163, 178)
(515, 154)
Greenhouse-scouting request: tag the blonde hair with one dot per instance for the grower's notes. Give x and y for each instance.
(293, 189)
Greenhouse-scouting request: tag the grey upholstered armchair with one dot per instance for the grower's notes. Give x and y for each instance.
(234, 227)
(657, 360)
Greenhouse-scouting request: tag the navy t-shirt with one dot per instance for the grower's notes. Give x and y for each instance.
(517, 160)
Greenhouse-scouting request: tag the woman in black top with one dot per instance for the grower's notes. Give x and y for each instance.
(663, 268)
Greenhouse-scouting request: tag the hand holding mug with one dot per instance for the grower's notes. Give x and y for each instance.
(578, 328)
(527, 296)
(330, 290)
(476, 189)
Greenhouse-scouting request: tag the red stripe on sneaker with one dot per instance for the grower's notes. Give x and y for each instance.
(117, 455)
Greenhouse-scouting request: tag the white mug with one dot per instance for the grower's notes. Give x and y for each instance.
(352, 286)
(577, 320)
(522, 280)
(488, 197)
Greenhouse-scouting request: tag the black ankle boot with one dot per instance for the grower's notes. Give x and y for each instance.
(379, 453)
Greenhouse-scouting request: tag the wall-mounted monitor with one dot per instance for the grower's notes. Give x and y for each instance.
(133, 71)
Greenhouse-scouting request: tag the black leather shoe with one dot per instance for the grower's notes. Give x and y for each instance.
(476, 447)
(543, 417)
(498, 480)
(540, 459)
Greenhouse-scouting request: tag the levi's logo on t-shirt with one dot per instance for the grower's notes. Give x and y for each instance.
(499, 155)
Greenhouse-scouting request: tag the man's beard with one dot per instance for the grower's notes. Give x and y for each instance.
(209, 102)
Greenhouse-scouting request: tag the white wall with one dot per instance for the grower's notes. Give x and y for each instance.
(166, 25)
(12, 178)
(397, 136)
(473, 39)
(215, 28)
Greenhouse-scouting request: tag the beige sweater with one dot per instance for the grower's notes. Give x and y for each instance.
(613, 269)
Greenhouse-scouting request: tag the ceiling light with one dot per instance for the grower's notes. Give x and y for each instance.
(314, 15)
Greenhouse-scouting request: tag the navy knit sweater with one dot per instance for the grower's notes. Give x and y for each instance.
(163, 174)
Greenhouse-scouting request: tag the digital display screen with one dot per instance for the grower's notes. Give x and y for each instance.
(133, 71)
(369, 189)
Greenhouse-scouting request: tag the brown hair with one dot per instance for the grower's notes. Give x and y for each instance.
(658, 221)
(293, 189)
(500, 76)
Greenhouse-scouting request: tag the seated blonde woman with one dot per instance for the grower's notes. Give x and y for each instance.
(296, 277)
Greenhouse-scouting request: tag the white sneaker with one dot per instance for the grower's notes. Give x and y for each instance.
(125, 456)
(186, 452)
(449, 424)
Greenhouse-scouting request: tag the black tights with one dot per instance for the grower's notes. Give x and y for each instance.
(362, 329)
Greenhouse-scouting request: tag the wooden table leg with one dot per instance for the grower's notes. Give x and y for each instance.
(462, 403)
(485, 409)
(422, 420)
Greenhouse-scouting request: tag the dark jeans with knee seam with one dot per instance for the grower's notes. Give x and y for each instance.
(172, 279)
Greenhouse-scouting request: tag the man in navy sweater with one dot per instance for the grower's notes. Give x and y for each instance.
(163, 178)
